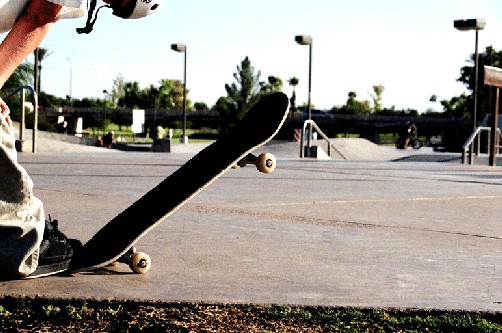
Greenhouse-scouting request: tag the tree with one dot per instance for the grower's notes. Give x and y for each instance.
(23, 75)
(353, 106)
(89, 103)
(245, 91)
(223, 104)
(457, 107)
(168, 95)
(48, 100)
(42, 55)
(201, 106)
(488, 58)
(132, 96)
(293, 82)
(118, 89)
(273, 85)
(242, 94)
(377, 97)
(225, 107)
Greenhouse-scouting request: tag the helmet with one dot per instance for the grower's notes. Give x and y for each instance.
(136, 9)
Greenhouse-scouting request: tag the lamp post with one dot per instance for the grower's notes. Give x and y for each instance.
(108, 96)
(179, 47)
(71, 78)
(36, 71)
(476, 25)
(307, 40)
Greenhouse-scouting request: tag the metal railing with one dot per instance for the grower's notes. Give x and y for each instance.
(34, 101)
(469, 145)
(321, 133)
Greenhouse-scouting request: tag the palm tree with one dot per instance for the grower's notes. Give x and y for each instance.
(42, 55)
(21, 76)
(293, 82)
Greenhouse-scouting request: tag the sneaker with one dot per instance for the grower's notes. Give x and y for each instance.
(56, 251)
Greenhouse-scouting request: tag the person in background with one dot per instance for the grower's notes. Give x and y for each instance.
(108, 140)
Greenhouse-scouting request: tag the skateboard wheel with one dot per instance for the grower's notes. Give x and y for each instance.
(140, 263)
(266, 163)
(235, 166)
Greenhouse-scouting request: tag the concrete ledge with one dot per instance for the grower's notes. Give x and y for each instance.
(319, 153)
(133, 146)
(161, 146)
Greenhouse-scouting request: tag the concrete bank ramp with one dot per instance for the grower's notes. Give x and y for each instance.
(45, 145)
(363, 150)
(350, 148)
(55, 142)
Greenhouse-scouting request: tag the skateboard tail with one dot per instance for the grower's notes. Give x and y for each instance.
(256, 128)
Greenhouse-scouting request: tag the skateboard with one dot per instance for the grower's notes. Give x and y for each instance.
(115, 241)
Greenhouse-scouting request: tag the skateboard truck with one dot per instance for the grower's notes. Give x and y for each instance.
(139, 262)
(265, 163)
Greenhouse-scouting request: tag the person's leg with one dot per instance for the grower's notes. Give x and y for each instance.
(22, 219)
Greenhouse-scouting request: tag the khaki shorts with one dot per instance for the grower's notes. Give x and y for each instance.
(22, 218)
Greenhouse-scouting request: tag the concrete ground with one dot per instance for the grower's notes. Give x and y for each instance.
(373, 233)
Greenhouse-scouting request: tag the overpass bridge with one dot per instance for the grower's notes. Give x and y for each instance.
(453, 132)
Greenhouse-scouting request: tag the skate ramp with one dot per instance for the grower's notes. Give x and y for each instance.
(55, 142)
(364, 150)
(350, 149)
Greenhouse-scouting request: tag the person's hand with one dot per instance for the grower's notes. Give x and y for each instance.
(5, 111)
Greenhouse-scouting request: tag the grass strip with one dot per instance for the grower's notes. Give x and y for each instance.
(48, 315)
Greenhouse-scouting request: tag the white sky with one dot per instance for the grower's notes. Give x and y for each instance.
(410, 47)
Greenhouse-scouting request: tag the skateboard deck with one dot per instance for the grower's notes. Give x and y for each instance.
(119, 235)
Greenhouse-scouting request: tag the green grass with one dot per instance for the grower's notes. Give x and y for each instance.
(379, 320)
(42, 315)
(127, 136)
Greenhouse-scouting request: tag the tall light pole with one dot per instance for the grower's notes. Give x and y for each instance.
(71, 78)
(307, 40)
(476, 25)
(179, 47)
(36, 71)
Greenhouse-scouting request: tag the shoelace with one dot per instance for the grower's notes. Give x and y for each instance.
(53, 231)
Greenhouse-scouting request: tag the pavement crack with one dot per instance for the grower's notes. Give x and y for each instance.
(277, 217)
(200, 209)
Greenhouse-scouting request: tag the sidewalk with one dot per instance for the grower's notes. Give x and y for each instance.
(345, 233)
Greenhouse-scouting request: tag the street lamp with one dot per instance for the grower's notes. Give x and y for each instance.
(179, 47)
(71, 77)
(108, 96)
(476, 25)
(307, 40)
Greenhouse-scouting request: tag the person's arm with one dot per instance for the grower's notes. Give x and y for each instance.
(26, 35)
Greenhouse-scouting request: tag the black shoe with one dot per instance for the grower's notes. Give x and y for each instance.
(56, 251)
